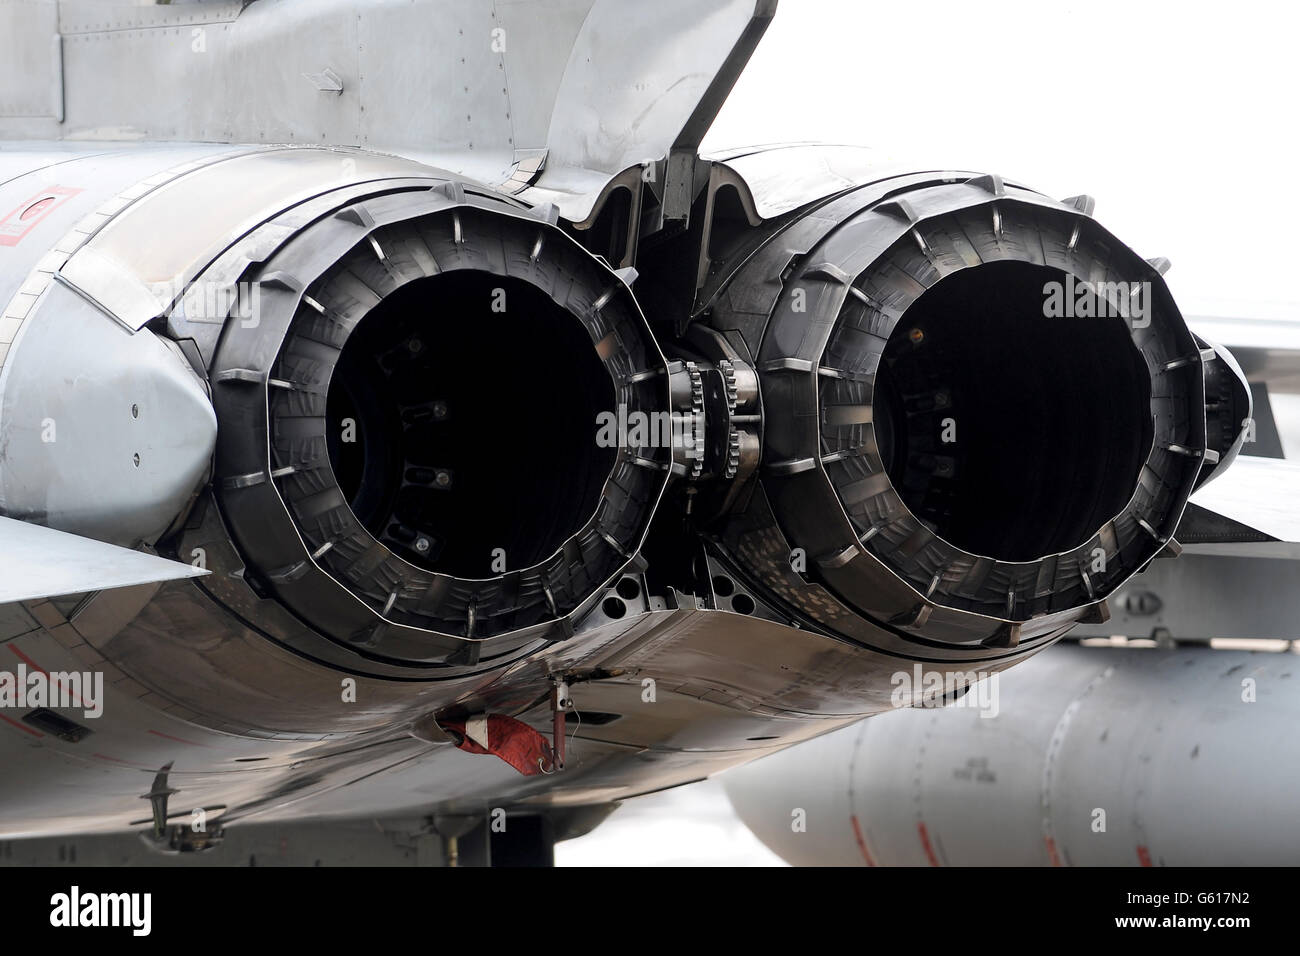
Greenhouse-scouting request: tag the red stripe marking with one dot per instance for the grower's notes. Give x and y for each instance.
(1144, 856)
(179, 740)
(925, 844)
(862, 844)
(23, 657)
(37, 667)
(23, 727)
(125, 763)
(1053, 858)
(28, 215)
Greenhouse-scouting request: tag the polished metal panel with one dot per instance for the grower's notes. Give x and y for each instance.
(137, 262)
(107, 432)
(31, 74)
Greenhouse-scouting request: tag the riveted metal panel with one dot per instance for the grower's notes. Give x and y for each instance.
(31, 78)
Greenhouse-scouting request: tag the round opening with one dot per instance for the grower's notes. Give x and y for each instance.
(628, 589)
(1011, 430)
(742, 604)
(461, 424)
(613, 607)
(722, 585)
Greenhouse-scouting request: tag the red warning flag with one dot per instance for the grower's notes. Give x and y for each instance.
(512, 740)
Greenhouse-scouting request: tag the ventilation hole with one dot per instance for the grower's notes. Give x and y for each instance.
(56, 725)
(742, 604)
(613, 607)
(628, 589)
(723, 586)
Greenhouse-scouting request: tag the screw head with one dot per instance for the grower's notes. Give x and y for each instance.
(422, 545)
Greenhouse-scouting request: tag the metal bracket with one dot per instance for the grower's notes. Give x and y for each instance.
(560, 703)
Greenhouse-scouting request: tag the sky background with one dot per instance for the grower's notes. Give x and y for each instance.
(1179, 118)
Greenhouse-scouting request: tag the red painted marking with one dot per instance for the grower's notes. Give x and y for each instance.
(36, 208)
(925, 844)
(179, 740)
(862, 844)
(125, 763)
(27, 660)
(29, 213)
(23, 727)
(1144, 856)
(37, 667)
(1053, 858)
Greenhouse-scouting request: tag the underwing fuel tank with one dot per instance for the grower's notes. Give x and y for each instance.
(1083, 756)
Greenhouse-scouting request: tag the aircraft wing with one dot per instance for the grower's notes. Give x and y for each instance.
(1268, 349)
(1259, 493)
(37, 562)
